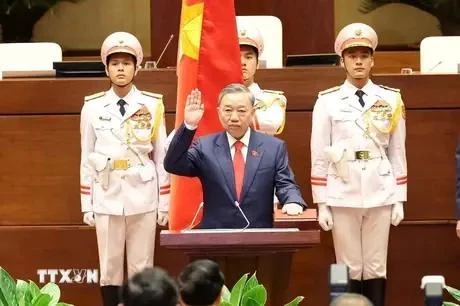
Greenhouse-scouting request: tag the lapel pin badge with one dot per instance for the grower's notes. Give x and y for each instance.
(254, 153)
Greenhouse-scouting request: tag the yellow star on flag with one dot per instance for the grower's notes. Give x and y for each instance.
(190, 32)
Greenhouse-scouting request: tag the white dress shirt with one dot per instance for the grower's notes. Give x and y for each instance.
(244, 140)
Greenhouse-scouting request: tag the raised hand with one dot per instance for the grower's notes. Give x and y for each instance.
(194, 108)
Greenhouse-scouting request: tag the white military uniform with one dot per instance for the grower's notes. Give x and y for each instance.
(359, 169)
(270, 113)
(270, 105)
(122, 178)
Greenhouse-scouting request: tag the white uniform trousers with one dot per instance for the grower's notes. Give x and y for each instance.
(113, 232)
(361, 240)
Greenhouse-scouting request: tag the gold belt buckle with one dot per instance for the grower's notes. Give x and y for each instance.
(362, 155)
(120, 164)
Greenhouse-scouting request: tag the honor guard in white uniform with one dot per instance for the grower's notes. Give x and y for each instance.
(123, 185)
(270, 105)
(358, 158)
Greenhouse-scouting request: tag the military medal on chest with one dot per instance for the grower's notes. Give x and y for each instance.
(139, 126)
(380, 115)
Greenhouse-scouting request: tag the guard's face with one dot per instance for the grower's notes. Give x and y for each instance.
(358, 62)
(121, 69)
(235, 113)
(249, 63)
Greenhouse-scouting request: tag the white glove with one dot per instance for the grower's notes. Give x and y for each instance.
(397, 213)
(88, 218)
(292, 209)
(162, 218)
(325, 217)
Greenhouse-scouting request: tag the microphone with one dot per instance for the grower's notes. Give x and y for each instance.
(433, 286)
(339, 280)
(155, 63)
(192, 225)
(243, 214)
(437, 64)
(433, 294)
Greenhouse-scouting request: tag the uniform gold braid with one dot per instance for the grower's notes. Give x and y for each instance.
(155, 127)
(282, 104)
(396, 116)
(158, 118)
(281, 128)
(131, 132)
(267, 103)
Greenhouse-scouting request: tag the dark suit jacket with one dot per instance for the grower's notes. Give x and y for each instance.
(457, 196)
(209, 159)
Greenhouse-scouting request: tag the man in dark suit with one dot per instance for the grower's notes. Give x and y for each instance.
(238, 168)
(457, 157)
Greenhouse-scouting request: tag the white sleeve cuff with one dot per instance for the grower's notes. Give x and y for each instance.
(190, 127)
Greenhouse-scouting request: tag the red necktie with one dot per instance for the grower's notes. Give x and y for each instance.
(238, 168)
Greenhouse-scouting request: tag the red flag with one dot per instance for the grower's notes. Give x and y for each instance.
(209, 59)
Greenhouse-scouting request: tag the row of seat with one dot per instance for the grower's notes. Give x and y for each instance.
(440, 54)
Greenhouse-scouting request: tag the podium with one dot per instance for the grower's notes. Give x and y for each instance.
(267, 251)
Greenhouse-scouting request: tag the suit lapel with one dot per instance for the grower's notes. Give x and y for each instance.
(222, 152)
(253, 158)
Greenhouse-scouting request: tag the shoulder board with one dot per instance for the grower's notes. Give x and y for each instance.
(389, 88)
(327, 91)
(276, 92)
(94, 96)
(153, 95)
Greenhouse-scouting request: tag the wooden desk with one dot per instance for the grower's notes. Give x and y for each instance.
(267, 252)
(40, 212)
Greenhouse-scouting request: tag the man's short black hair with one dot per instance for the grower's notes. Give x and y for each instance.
(152, 286)
(200, 283)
